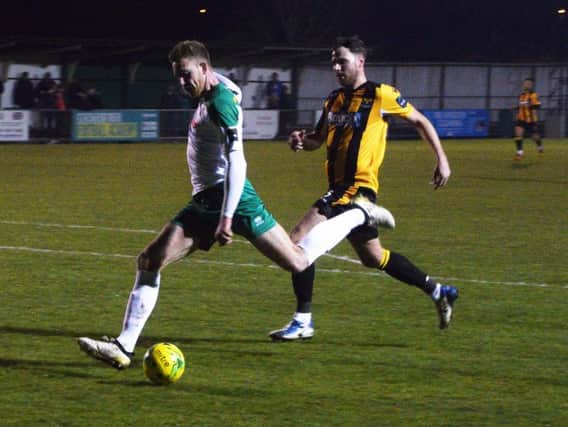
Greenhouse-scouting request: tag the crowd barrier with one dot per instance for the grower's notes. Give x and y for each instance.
(172, 125)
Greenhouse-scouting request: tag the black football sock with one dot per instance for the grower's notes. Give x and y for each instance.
(399, 267)
(519, 144)
(303, 283)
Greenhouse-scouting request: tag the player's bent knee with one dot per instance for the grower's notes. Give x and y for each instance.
(148, 263)
(370, 261)
(294, 264)
(295, 236)
(142, 262)
(298, 267)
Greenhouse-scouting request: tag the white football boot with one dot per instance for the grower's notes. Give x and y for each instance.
(376, 216)
(108, 350)
(294, 330)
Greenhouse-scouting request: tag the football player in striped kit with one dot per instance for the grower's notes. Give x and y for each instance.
(353, 126)
(527, 119)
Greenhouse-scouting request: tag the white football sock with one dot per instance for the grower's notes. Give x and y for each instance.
(303, 317)
(140, 305)
(326, 235)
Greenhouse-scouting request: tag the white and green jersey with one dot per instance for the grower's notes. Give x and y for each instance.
(215, 143)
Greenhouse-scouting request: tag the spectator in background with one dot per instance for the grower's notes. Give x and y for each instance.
(170, 121)
(1, 92)
(23, 95)
(259, 94)
(76, 96)
(274, 90)
(94, 99)
(60, 98)
(46, 101)
(233, 78)
(61, 118)
(287, 114)
(45, 91)
(285, 99)
(170, 99)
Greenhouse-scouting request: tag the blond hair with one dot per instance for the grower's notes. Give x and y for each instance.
(189, 49)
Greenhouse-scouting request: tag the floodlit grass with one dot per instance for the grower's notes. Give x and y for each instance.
(498, 232)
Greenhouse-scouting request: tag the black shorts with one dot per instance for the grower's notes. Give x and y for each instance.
(529, 128)
(328, 207)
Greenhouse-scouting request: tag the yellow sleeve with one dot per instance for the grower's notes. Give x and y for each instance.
(534, 99)
(392, 102)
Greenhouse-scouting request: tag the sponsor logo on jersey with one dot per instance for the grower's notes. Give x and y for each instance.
(344, 119)
(357, 120)
(401, 101)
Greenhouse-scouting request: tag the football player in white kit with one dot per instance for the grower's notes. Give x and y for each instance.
(223, 201)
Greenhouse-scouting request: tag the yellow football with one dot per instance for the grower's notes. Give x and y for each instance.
(163, 363)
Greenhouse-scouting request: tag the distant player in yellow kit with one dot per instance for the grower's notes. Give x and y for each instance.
(527, 118)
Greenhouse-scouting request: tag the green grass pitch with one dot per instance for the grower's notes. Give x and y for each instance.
(74, 217)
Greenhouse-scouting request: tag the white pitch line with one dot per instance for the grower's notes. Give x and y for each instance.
(344, 258)
(338, 257)
(75, 226)
(92, 227)
(271, 266)
(62, 252)
(452, 279)
(198, 261)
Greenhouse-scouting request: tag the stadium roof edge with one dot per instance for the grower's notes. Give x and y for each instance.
(106, 51)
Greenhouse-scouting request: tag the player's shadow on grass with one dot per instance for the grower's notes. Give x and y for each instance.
(54, 368)
(22, 363)
(144, 341)
(186, 386)
(205, 344)
(521, 165)
(370, 344)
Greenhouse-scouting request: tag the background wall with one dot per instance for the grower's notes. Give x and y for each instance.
(449, 86)
(427, 85)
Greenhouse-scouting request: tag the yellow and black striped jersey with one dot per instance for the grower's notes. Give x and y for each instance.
(528, 103)
(357, 127)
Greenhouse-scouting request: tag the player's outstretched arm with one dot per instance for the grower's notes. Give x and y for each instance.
(300, 140)
(426, 130)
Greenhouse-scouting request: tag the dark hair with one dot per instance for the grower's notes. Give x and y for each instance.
(353, 43)
(189, 49)
(530, 79)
